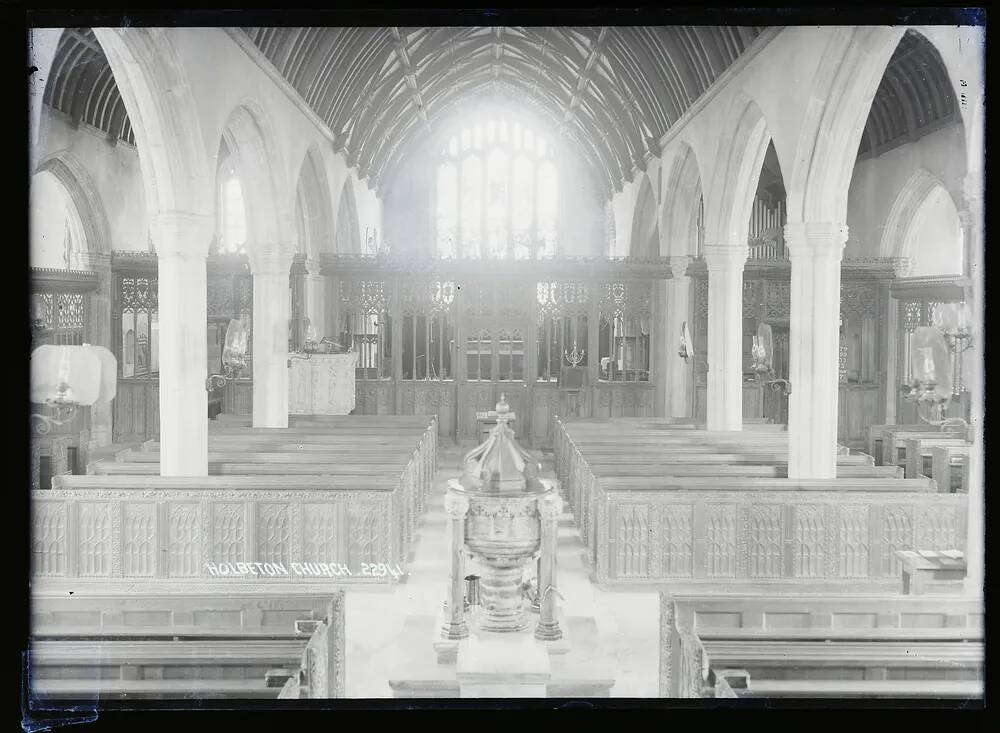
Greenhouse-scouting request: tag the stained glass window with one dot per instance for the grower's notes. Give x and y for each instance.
(497, 193)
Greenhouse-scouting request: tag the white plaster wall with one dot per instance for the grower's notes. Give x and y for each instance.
(878, 181)
(623, 206)
(48, 221)
(114, 170)
(223, 77)
(934, 242)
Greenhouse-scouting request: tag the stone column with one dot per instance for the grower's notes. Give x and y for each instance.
(99, 334)
(725, 335)
(815, 250)
(550, 507)
(270, 338)
(975, 546)
(316, 299)
(455, 627)
(679, 372)
(181, 241)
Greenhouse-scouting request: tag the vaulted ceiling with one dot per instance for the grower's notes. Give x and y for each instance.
(914, 97)
(611, 91)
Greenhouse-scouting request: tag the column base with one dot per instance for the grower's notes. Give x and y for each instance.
(548, 631)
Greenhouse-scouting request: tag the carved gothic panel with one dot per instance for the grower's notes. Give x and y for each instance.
(139, 540)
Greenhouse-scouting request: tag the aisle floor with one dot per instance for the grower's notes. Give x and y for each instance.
(385, 629)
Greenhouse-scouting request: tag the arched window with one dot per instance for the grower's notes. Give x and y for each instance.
(57, 235)
(232, 221)
(497, 193)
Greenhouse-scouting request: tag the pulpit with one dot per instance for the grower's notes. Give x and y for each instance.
(322, 384)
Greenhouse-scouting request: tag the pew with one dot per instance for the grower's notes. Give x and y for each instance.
(821, 645)
(178, 527)
(320, 674)
(351, 454)
(918, 454)
(213, 644)
(694, 505)
(950, 468)
(893, 440)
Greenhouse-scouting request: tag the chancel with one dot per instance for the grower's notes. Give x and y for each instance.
(507, 361)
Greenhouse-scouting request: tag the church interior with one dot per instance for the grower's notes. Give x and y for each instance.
(506, 362)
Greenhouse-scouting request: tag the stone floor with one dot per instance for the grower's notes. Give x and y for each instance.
(386, 633)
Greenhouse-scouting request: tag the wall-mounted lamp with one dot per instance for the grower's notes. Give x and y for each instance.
(65, 377)
(762, 352)
(686, 350)
(931, 367)
(234, 355)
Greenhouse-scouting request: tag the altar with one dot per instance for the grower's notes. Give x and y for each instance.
(322, 384)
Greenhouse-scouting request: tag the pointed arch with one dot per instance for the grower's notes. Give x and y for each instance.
(741, 156)
(850, 71)
(348, 239)
(82, 192)
(682, 200)
(904, 218)
(157, 96)
(248, 135)
(641, 244)
(313, 204)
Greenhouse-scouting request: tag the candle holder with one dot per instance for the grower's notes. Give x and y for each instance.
(234, 356)
(764, 373)
(575, 357)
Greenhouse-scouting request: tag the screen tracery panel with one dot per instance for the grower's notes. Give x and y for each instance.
(625, 310)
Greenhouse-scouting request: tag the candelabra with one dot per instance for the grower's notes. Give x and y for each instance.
(575, 357)
(764, 372)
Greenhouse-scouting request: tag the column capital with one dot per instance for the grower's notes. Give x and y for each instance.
(313, 267)
(270, 262)
(725, 256)
(550, 507)
(901, 266)
(455, 505)
(679, 265)
(181, 233)
(812, 238)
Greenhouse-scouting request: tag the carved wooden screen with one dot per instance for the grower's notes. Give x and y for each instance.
(366, 324)
(858, 347)
(625, 318)
(563, 317)
(428, 329)
(136, 317)
(61, 318)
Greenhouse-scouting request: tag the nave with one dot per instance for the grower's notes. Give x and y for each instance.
(507, 361)
(688, 553)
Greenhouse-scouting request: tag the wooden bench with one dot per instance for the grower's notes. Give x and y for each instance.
(920, 567)
(919, 457)
(894, 441)
(210, 644)
(173, 527)
(822, 644)
(950, 468)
